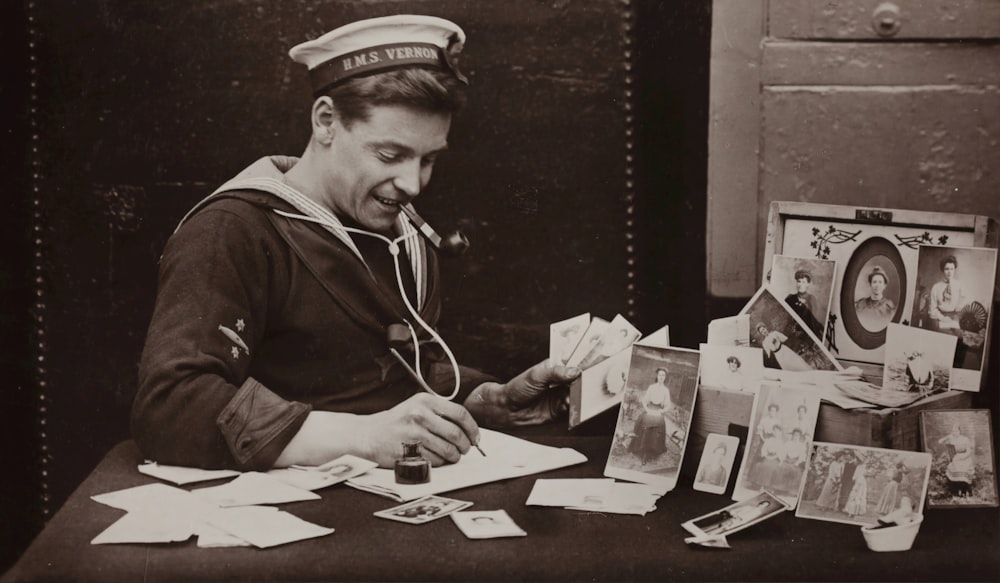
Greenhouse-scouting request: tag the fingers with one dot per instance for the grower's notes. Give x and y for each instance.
(446, 430)
(547, 373)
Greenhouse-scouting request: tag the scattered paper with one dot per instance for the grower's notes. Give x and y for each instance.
(141, 527)
(567, 492)
(718, 542)
(264, 526)
(332, 472)
(181, 475)
(486, 524)
(211, 537)
(870, 393)
(254, 488)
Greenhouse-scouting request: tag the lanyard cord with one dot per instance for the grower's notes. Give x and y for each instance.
(394, 251)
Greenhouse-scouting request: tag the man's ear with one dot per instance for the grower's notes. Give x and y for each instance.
(324, 116)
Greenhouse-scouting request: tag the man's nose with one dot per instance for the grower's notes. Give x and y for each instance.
(408, 179)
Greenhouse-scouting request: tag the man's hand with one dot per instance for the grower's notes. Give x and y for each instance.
(445, 430)
(535, 396)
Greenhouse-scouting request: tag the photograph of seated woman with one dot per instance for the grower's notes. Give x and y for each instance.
(649, 439)
(875, 310)
(960, 469)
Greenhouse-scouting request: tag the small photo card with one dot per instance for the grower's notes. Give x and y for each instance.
(423, 510)
(716, 463)
(486, 524)
(787, 342)
(806, 286)
(565, 335)
(859, 485)
(735, 517)
(734, 368)
(917, 361)
(962, 474)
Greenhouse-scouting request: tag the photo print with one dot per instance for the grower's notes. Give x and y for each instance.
(787, 343)
(859, 485)
(806, 285)
(917, 361)
(590, 338)
(782, 426)
(565, 335)
(735, 517)
(716, 464)
(734, 368)
(963, 474)
(618, 335)
(423, 510)
(655, 416)
(954, 295)
(729, 331)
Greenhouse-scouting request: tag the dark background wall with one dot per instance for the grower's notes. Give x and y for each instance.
(578, 171)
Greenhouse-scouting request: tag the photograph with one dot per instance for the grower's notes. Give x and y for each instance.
(963, 474)
(729, 331)
(734, 368)
(787, 342)
(716, 464)
(617, 336)
(736, 517)
(591, 336)
(565, 335)
(655, 416)
(917, 361)
(423, 509)
(782, 426)
(954, 295)
(859, 485)
(476, 524)
(806, 285)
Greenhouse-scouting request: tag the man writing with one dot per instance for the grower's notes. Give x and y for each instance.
(279, 295)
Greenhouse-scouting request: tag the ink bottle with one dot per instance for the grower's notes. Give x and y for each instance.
(412, 468)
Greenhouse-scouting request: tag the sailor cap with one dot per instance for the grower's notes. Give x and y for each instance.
(380, 44)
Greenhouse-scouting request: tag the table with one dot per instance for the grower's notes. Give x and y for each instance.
(953, 544)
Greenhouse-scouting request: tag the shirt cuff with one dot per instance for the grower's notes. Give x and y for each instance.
(257, 424)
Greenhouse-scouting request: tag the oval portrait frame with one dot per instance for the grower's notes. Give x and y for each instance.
(860, 259)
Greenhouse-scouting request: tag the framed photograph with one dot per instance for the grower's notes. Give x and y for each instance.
(734, 368)
(858, 485)
(787, 343)
(423, 510)
(781, 427)
(954, 295)
(806, 285)
(716, 464)
(655, 416)
(564, 337)
(963, 474)
(917, 361)
(875, 251)
(735, 517)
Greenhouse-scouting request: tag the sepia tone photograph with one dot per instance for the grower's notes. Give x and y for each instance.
(806, 285)
(859, 485)
(787, 343)
(963, 470)
(917, 361)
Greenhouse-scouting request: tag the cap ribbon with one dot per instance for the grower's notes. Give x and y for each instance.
(379, 58)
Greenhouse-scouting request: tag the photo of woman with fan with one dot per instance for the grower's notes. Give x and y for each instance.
(954, 293)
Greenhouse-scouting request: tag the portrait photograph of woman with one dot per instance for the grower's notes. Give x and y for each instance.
(963, 473)
(655, 416)
(806, 285)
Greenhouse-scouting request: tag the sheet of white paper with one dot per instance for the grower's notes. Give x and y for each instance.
(146, 527)
(507, 457)
(264, 526)
(211, 537)
(568, 492)
(183, 475)
(731, 331)
(254, 488)
(155, 498)
(328, 474)
(623, 498)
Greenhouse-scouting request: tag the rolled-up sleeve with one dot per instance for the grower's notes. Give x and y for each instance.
(197, 404)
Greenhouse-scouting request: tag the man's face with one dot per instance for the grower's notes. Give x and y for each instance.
(380, 164)
(802, 285)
